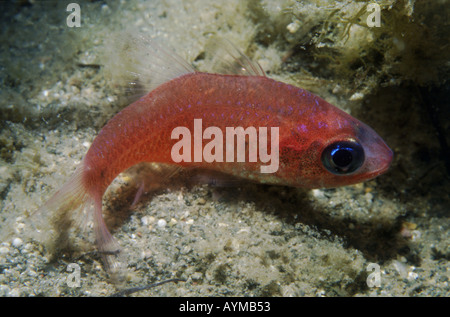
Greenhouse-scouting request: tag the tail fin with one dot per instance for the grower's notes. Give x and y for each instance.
(53, 220)
(74, 209)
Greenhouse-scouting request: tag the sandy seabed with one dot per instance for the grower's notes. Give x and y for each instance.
(60, 85)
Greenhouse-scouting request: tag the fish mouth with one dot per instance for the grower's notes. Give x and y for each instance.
(378, 155)
(380, 161)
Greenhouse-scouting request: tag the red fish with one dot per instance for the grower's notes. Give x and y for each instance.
(318, 144)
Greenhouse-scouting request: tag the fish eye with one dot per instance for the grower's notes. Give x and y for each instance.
(343, 157)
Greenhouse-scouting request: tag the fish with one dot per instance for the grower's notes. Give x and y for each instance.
(314, 144)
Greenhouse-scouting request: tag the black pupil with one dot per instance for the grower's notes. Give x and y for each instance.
(343, 157)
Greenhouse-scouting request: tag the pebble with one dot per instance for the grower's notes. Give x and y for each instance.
(412, 276)
(368, 197)
(294, 26)
(145, 220)
(4, 250)
(197, 276)
(173, 222)
(17, 242)
(357, 96)
(317, 193)
(189, 221)
(15, 292)
(4, 290)
(161, 223)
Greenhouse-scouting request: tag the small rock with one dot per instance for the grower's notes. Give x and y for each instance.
(15, 292)
(17, 242)
(145, 221)
(294, 26)
(172, 222)
(369, 197)
(197, 276)
(357, 96)
(161, 223)
(4, 290)
(201, 201)
(317, 193)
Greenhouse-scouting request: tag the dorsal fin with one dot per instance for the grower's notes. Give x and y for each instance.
(147, 62)
(156, 64)
(225, 58)
(150, 64)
